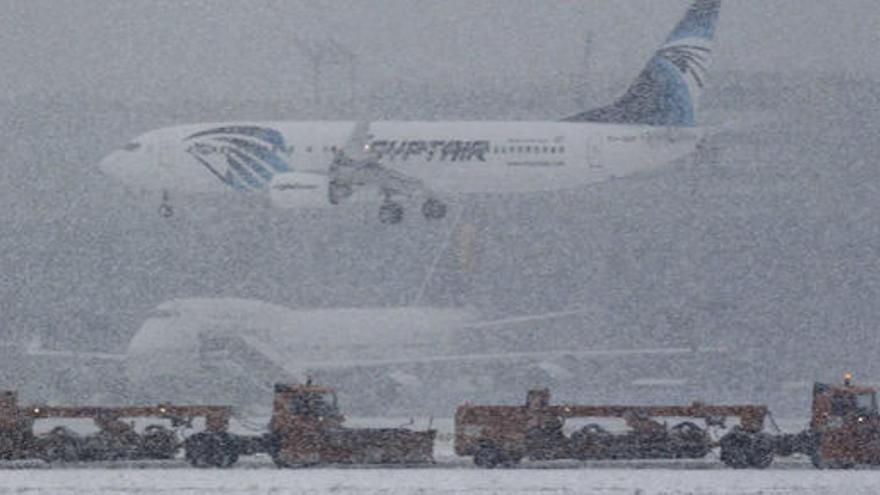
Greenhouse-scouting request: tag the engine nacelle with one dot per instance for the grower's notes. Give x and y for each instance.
(299, 190)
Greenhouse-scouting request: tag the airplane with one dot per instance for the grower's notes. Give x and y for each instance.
(328, 163)
(232, 349)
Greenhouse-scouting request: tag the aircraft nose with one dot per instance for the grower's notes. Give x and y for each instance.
(108, 164)
(123, 165)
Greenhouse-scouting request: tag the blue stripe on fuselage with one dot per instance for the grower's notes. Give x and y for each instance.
(242, 172)
(262, 152)
(253, 164)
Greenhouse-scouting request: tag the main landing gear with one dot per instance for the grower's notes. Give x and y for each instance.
(433, 209)
(391, 212)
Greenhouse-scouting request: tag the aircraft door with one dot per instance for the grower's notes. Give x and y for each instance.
(593, 155)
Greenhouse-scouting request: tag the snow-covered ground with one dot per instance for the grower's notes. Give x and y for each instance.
(428, 481)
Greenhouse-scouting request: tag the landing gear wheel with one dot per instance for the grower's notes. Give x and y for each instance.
(337, 191)
(165, 210)
(433, 209)
(390, 213)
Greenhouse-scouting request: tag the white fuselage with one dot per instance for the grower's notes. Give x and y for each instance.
(448, 157)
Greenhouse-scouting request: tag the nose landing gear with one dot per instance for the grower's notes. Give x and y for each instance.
(165, 208)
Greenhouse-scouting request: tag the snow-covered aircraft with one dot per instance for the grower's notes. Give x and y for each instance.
(321, 164)
(232, 349)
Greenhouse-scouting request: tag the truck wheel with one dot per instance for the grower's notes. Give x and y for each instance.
(762, 451)
(821, 463)
(736, 449)
(159, 442)
(273, 447)
(591, 442)
(741, 450)
(60, 445)
(488, 457)
(690, 441)
(210, 449)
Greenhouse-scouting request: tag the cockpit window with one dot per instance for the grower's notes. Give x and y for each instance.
(843, 404)
(131, 146)
(314, 404)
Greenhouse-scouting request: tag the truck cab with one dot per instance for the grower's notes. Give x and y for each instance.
(304, 405)
(845, 425)
(16, 429)
(307, 429)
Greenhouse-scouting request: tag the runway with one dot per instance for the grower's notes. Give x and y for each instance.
(257, 479)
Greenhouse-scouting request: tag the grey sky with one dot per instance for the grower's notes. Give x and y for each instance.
(160, 48)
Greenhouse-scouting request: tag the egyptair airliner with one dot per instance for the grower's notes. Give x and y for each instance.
(327, 163)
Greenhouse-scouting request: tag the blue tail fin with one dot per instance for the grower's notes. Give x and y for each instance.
(667, 90)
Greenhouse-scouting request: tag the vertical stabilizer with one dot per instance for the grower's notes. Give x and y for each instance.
(667, 91)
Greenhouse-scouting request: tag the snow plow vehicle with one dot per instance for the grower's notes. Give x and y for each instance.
(845, 426)
(844, 431)
(115, 439)
(306, 429)
(504, 435)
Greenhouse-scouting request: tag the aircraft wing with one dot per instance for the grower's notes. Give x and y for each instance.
(407, 345)
(266, 348)
(509, 357)
(35, 348)
(356, 166)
